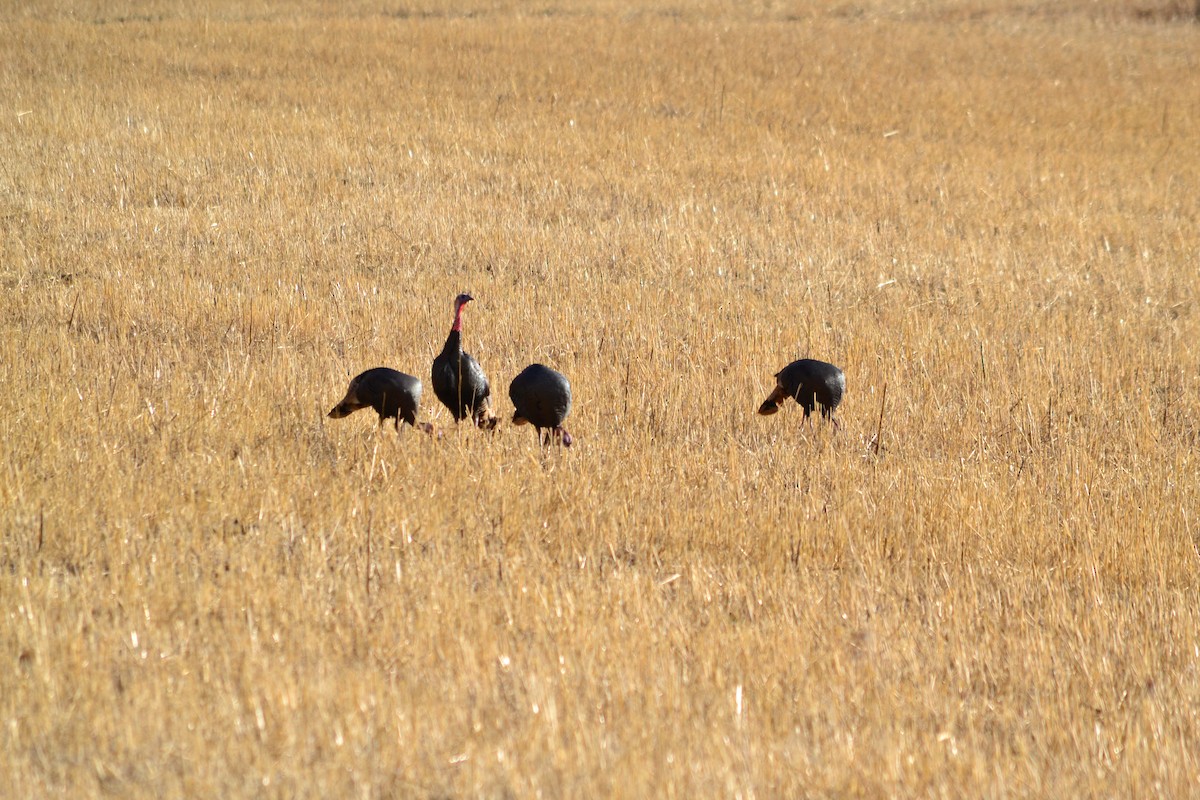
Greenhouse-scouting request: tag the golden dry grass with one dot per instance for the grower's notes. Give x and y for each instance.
(213, 217)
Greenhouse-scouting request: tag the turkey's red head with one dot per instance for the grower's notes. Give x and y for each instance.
(459, 302)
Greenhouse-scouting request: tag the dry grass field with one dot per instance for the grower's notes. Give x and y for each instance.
(214, 214)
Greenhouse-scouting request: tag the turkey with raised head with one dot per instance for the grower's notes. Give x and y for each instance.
(394, 395)
(810, 383)
(458, 380)
(542, 397)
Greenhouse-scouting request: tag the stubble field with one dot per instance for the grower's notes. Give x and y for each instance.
(988, 214)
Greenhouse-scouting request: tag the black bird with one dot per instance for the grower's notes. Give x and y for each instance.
(458, 380)
(392, 394)
(542, 396)
(810, 382)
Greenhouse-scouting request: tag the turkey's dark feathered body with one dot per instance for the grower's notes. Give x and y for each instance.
(394, 395)
(459, 382)
(541, 396)
(810, 383)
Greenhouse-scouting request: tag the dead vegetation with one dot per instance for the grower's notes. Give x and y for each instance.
(214, 216)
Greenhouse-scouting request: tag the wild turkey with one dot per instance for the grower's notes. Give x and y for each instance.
(392, 394)
(542, 396)
(458, 380)
(810, 382)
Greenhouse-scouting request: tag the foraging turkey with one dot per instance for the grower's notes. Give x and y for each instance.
(542, 396)
(810, 382)
(392, 394)
(458, 380)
